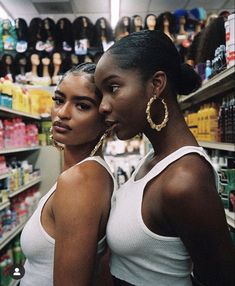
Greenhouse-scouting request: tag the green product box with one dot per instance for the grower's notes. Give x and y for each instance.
(226, 184)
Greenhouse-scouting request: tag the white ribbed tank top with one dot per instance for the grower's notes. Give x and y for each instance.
(38, 246)
(140, 256)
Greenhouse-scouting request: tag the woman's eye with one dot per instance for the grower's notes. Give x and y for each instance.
(58, 100)
(114, 88)
(83, 106)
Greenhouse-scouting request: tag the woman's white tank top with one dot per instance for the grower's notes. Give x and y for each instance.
(38, 246)
(140, 256)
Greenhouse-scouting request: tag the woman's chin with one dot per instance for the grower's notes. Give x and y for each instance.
(122, 135)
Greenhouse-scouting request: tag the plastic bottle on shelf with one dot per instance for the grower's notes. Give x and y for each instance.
(221, 121)
(208, 70)
(233, 119)
(230, 119)
(215, 161)
(25, 167)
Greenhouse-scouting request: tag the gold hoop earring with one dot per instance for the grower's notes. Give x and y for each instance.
(54, 143)
(157, 127)
(101, 141)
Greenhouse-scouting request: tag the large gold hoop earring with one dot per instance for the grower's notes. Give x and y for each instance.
(100, 143)
(54, 143)
(157, 127)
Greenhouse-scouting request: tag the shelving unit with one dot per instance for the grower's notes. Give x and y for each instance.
(218, 145)
(16, 150)
(221, 84)
(36, 156)
(25, 187)
(4, 176)
(4, 205)
(4, 111)
(7, 237)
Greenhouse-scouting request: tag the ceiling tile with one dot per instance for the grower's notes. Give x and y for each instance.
(91, 6)
(161, 6)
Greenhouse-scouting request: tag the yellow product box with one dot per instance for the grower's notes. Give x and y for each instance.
(41, 101)
(17, 100)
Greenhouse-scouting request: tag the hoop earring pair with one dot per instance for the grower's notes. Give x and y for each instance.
(54, 142)
(61, 147)
(157, 127)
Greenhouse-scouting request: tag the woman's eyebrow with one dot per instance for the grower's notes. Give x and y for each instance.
(83, 97)
(59, 93)
(110, 77)
(78, 97)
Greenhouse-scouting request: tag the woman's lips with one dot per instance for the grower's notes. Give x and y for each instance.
(61, 127)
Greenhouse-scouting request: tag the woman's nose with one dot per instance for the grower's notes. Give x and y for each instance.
(64, 111)
(105, 107)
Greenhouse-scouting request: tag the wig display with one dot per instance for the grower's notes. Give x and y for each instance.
(22, 33)
(206, 47)
(123, 28)
(150, 22)
(36, 34)
(48, 34)
(7, 36)
(83, 34)
(56, 67)
(45, 63)
(35, 69)
(136, 23)
(103, 38)
(70, 60)
(21, 68)
(181, 19)
(7, 67)
(64, 37)
(166, 23)
(182, 43)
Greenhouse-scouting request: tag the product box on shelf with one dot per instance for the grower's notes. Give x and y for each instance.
(226, 184)
(230, 40)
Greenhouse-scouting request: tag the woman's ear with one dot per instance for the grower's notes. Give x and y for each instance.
(159, 81)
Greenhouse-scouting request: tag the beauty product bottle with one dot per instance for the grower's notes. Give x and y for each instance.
(208, 70)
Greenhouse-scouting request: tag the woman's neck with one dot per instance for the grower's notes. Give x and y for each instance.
(75, 154)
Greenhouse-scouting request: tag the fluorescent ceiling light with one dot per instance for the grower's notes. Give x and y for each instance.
(4, 14)
(115, 8)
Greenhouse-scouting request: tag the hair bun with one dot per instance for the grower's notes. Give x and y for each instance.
(189, 81)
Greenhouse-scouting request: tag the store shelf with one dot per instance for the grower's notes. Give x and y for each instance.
(25, 187)
(16, 150)
(4, 176)
(220, 84)
(7, 237)
(12, 113)
(230, 216)
(4, 205)
(218, 145)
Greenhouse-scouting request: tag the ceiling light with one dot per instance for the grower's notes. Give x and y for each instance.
(4, 14)
(115, 9)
